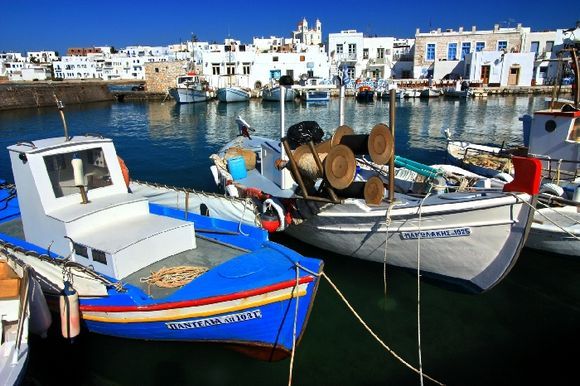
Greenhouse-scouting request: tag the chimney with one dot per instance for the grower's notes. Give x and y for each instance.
(495, 27)
(417, 31)
(519, 27)
(438, 30)
(473, 28)
(461, 29)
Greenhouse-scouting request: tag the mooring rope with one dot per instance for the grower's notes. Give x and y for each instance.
(296, 288)
(373, 334)
(419, 288)
(535, 210)
(388, 224)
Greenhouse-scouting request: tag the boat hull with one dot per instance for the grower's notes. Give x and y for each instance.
(547, 237)
(316, 96)
(184, 95)
(230, 94)
(273, 94)
(474, 249)
(365, 96)
(253, 301)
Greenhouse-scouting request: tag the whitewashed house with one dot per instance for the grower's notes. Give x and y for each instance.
(41, 56)
(499, 68)
(345, 49)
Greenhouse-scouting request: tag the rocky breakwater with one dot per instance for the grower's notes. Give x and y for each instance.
(39, 94)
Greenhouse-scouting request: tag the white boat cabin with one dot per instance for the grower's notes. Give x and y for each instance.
(113, 232)
(556, 133)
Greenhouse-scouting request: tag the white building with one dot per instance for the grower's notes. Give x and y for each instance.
(308, 36)
(368, 57)
(500, 68)
(255, 65)
(41, 56)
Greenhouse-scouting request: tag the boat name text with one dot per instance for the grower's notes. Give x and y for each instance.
(443, 233)
(209, 322)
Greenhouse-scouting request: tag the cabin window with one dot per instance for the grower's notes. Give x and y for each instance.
(80, 250)
(99, 256)
(93, 168)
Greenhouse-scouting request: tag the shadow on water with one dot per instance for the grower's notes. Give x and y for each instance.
(520, 332)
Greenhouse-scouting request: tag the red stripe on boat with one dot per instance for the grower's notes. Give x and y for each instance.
(199, 302)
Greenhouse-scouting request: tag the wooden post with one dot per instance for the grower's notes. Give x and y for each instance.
(392, 106)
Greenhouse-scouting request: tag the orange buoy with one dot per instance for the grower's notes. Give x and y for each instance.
(124, 170)
(70, 318)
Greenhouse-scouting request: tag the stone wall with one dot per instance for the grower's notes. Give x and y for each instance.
(160, 76)
(41, 94)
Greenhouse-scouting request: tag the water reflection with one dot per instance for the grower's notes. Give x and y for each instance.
(156, 135)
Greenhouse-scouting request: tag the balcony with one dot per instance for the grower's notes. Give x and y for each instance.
(344, 57)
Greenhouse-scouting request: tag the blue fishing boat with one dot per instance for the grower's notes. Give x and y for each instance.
(145, 271)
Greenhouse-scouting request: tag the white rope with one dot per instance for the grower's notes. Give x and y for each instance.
(388, 223)
(419, 289)
(373, 334)
(546, 217)
(242, 219)
(296, 288)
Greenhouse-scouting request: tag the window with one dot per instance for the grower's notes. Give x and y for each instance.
(451, 51)
(274, 58)
(99, 256)
(339, 49)
(465, 49)
(351, 49)
(230, 68)
(543, 72)
(246, 68)
(535, 47)
(365, 53)
(502, 45)
(430, 52)
(380, 53)
(302, 58)
(549, 46)
(479, 46)
(215, 68)
(60, 171)
(80, 250)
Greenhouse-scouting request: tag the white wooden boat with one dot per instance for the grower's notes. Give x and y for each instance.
(430, 93)
(470, 239)
(484, 160)
(189, 89)
(315, 90)
(233, 94)
(272, 94)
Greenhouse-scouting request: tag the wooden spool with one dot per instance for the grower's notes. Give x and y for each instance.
(374, 190)
(340, 132)
(305, 160)
(340, 167)
(378, 144)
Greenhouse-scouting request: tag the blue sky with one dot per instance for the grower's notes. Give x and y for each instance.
(56, 25)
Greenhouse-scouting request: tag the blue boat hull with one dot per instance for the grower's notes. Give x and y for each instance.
(253, 302)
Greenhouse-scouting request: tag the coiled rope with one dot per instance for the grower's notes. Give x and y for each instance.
(173, 277)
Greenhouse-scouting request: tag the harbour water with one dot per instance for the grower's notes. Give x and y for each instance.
(521, 332)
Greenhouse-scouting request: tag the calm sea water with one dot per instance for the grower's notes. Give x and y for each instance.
(524, 331)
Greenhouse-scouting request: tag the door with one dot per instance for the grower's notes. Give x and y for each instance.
(514, 76)
(485, 74)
